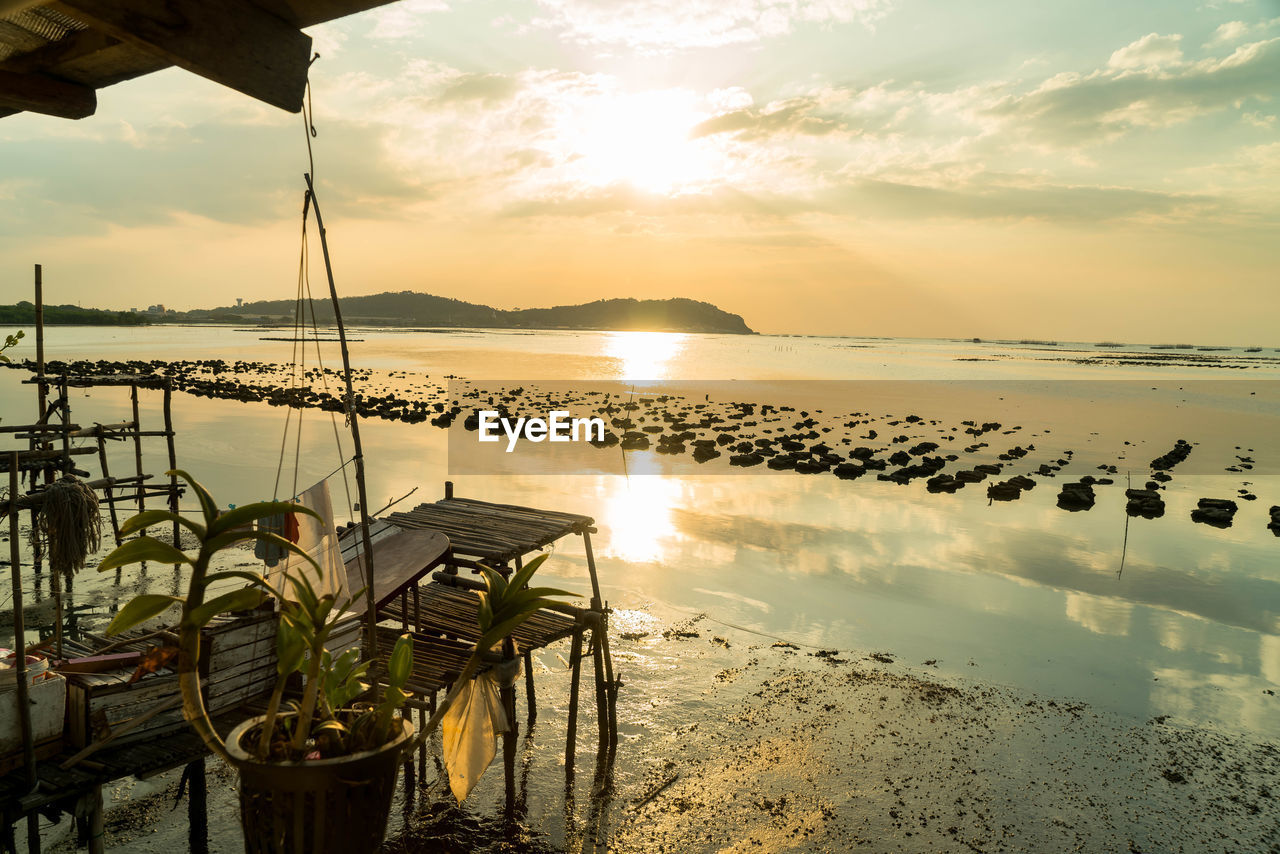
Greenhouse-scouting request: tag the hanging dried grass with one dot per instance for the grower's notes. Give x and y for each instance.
(69, 525)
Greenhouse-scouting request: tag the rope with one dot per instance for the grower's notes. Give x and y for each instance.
(304, 303)
(69, 525)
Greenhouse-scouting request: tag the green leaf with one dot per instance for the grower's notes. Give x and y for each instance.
(485, 615)
(253, 512)
(244, 599)
(139, 609)
(496, 634)
(401, 664)
(329, 725)
(290, 649)
(140, 549)
(494, 582)
(521, 578)
(251, 577)
(520, 598)
(147, 518)
(207, 506)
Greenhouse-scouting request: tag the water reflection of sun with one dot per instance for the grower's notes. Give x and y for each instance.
(644, 355)
(638, 517)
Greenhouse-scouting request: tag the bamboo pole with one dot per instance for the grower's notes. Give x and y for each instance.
(66, 423)
(173, 460)
(354, 418)
(575, 664)
(106, 473)
(137, 443)
(20, 634)
(42, 391)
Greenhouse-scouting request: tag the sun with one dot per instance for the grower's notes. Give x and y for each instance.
(643, 140)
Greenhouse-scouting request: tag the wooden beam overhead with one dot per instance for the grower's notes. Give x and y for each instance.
(232, 42)
(42, 94)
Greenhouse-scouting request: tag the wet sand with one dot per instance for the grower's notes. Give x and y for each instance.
(802, 750)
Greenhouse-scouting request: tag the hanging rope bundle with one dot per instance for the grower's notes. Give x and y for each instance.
(69, 525)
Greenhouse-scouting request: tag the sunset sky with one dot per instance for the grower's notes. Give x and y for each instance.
(1079, 171)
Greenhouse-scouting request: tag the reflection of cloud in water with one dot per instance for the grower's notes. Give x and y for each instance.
(1269, 658)
(881, 555)
(736, 597)
(1100, 615)
(1233, 698)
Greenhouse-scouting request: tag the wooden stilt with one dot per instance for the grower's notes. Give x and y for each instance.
(507, 693)
(137, 443)
(530, 698)
(33, 833)
(42, 391)
(55, 589)
(106, 473)
(66, 422)
(173, 459)
(422, 746)
(96, 829)
(602, 690)
(575, 666)
(197, 808)
(354, 417)
(19, 634)
(600, 634)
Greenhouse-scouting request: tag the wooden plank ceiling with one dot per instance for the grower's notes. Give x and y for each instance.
(55, 56)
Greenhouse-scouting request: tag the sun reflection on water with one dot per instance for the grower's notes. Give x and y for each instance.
(637, 513)
(644, 355)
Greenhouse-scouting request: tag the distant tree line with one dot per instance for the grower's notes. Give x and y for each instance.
(24, 314)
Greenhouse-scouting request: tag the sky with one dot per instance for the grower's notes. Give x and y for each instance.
(1080, 171)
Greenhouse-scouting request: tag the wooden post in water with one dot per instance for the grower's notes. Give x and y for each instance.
(575, 665)
(106, 473)
(173, 459)
(354, 418)
(197, 808)
(20, 636)
(96, 829)
(41, 391)
(137, 444)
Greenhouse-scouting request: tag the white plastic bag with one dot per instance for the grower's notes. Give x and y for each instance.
(471, 729)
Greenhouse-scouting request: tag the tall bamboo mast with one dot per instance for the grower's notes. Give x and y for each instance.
(366, 544)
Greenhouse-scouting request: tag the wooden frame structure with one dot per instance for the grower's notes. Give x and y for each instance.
(54, 56)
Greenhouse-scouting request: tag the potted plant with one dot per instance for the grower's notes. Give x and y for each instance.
(316, 774)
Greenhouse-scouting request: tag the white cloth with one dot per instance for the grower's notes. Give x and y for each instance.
(471, 728)
(319, 539)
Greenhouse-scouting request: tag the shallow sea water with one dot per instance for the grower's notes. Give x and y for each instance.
(1019, 594)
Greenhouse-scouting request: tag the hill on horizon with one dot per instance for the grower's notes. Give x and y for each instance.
(411, 308)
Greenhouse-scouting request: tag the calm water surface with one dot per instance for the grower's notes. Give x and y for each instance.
(1020, 593)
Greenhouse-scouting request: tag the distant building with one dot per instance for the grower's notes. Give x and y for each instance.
(239, 301)
(158, 308)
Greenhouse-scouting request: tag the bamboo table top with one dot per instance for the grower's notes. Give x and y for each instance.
(492, 533)
(401, 557)
(452, 612)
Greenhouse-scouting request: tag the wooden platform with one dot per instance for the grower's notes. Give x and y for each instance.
(453, 613)
(436, 661)
(401, 557)
(142, 760)
(494, 534)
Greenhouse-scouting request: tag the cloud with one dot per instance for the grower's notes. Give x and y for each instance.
(789, 117)
(1150, 51)
(1071, 109)
(402, 20)
(984, 197)
(482, 87)
(1226, 33)
(666, 25)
